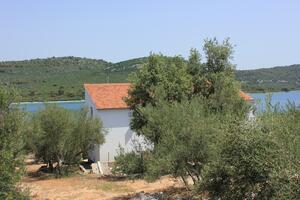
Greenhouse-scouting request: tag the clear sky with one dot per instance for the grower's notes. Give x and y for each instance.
(266, 32)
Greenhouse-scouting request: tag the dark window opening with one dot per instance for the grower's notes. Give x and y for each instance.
(92, 112)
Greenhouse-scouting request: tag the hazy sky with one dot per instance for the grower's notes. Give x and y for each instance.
(266, 33)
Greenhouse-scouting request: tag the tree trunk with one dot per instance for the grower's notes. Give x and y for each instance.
(50, 164)
(193, 178)
(58, 166)
(185, 183)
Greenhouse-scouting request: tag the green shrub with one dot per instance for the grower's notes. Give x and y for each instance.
(60, 91)
(11, 146)
(260, 162)
(130, 163)
(244, 169)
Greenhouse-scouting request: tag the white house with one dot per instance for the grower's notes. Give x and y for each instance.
(106, 101)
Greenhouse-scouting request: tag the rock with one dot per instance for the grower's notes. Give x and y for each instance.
(95, 168)
(82, 169)
(148, 196)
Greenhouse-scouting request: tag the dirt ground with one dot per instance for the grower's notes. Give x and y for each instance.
(89, 186)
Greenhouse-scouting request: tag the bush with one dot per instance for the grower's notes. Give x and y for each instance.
(131, 163)
(260, 162)
(60, 91)
(244, 169)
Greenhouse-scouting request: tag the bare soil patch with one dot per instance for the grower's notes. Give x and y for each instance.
(91, 186)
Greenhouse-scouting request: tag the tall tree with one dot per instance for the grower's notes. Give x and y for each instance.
(168, 74)
(218, 55)
(174, 79)
(197, 70)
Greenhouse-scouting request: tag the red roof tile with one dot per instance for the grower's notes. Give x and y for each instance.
(245, 96)
(111, 95)
(108, 96)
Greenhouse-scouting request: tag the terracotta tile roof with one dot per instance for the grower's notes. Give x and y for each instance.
(242, 94)
(108, 96)
(245, 96)
(111, 95)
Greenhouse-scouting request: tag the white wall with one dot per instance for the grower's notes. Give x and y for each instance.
(116, 123)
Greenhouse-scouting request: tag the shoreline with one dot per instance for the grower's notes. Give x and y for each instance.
(82, 100)
(46, 102)
(271, 92)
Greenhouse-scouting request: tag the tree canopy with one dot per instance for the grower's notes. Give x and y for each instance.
(173, 80)
(11, 146)
(63, 137)
(192, 114)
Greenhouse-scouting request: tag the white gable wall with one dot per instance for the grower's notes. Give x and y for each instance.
(116, 123)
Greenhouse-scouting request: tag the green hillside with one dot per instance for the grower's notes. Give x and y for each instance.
(56, 78)
(127, 66)
(62, 78)
(282, 78)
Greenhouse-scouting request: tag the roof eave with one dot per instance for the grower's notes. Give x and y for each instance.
(120, 108)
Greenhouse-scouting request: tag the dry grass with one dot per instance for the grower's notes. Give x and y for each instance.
(114, 187)
(44, 187)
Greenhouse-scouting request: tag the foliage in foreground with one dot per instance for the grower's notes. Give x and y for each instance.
(130, 163)
(189, 134)
(223, 154)
(11, 155)
(193, 116)
(60, 137)
(258, 162)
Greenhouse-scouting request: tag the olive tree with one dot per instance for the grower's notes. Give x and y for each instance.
(62, 137)
(185, 130)
(257, 162)
(168, 73)
(176, 103)
(179, 79)
(11, 146)
(188, 133)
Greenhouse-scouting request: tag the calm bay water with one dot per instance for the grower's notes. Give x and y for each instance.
(35, 106)
(280, 98)
(277, 98)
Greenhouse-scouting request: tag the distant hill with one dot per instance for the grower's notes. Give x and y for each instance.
(56, 78)
(62, 78)
(283, 78)
(127, 65)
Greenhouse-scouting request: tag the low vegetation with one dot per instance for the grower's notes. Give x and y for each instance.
(257, 162)
(129, 163)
